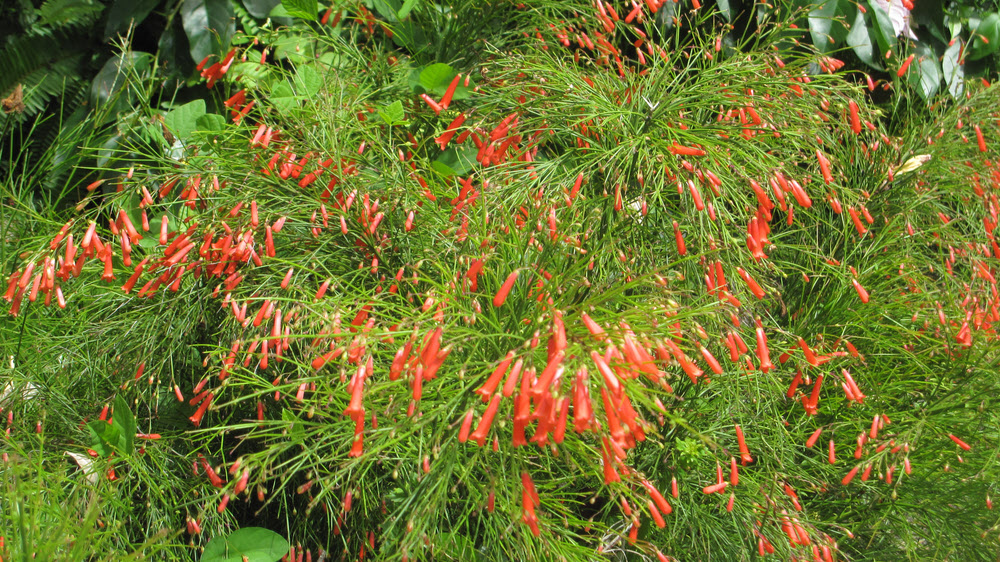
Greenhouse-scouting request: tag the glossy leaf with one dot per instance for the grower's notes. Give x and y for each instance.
(860, 40)
(124, 13)
(209, 25)
(882, 27)
(250, 544)
(821, 25)
(986, 37)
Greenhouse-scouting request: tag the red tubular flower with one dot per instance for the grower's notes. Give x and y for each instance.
(483, 429)
(965, 446)
(501, 295)
(744, 451)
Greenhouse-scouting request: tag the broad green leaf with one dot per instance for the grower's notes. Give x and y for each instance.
(455, 160)
(436, 76)
(124, 13)
(260, 8)
(250, 544)
(882, 28)
(124, 421)
(405, 10)
(725, 9)
(211, 122)
(927, 78)
(954, 75)
(209, 25)
(282, 96)
(305, 9)
(860, 40)
(393, 113)
(99, 430)
(388, 9)
(114, 76)
(182, 121)
(307, 81)
(821, 25)
(986, 37)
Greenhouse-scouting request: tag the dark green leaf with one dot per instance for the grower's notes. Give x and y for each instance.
(124, 13)
(455, 161)
(260, 8)
(388, 9)
(305, 9)
(182, 121)
(209, 25)
(124, 421)
(250, 544)
(725, 8)
(821, 25)
(98, 429)
(114, 76)
(860, 40)
(986, 37)
(882, 27)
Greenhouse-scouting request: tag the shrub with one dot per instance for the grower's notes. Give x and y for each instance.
(580, 290)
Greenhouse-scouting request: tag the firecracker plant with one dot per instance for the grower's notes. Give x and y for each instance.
(513, 281)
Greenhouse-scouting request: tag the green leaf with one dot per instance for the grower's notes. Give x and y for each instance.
(860, 40)
(455, 161)
(252, 544)
(211, 123)
(409, 36)
(124, 422)
(405, 10)
(99, 431)
(393, 113)
(114, 76)
(436, 76)
(124, 13)
(725, 9)
(183, 120)
(260, 8)
(985, 38)
(307, 81)
(305, 9)
(209, 25)
(821, 25)
(387, 9)
(954, 75)
(882, 28)
(927, 78)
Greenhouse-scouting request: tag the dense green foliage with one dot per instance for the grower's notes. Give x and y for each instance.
(504, 280)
